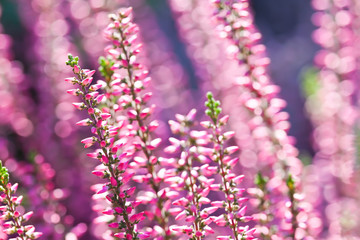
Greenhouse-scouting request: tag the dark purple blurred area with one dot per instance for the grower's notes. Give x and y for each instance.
(286, 27)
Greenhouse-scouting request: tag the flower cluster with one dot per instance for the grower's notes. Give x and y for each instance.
(15, 219)
(331, 107)
(112, 155)
(268, 123)
(203, 160)
(127, 80)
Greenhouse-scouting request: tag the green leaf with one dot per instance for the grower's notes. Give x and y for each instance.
(310, 83)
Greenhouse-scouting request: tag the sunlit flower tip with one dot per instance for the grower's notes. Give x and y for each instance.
(95, 87)
(181, 215)
(88, 142)
(98, 173)
(137, 217)
(18, 200)
(76, 69)
(246, 218)
(153, 125)
(104, 159)
(108, 212)
(231, 149)
(238, 179)
(205, 151)
(190, 218)
(70, 79)
(224, 119)
(114, 225)
(154, 143)
(191, 115)
(125, 12)
(223, 238)
(89, 73)
(74, 92)
(220, 220)
(105, 116)
(145, 112)
(79, 106)
(208, 230)
(143, 235)
(147, 97)
(102, 190)
(36, 235)
(99, 98)
(14, 187)
(119, 235)
(132, 114)
(229, 134)
(84, 122)
(91, 95)
(242, 211)
(86, 81)
(130, 191)
(207, 211)
(204, 200)
(181, 202)
(174, 126)
(205, 124)
(27, 216)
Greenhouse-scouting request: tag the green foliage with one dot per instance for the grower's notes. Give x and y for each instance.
(213, 106)
(72, 61)
(290, 182)
(260, 180)
(105, 66)
(310, 83)
(4, 175)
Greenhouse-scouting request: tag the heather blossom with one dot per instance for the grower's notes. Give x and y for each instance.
(126, 81)
(112, 156)
(203, 161)
(192, 179)
(280, 168)
(15, 219)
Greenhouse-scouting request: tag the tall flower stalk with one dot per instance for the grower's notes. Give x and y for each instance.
(111, 155)
(15, 224)
(190, 178)
(268, 126)
(131, 79)
(333, 112)
(234, 200)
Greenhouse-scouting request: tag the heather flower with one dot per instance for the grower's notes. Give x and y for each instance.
(113, 159)
(279, 166)
(195, 181)
(14, 224)
(233, 202)
(333, 113)
(129, 78)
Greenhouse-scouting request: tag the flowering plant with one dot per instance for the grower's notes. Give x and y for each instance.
(226, 170)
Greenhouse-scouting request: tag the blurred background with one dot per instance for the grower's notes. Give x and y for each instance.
(37, 119)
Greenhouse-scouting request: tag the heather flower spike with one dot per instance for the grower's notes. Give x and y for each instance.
(112, 157)
(194, 180)
(15, 220)
(269, 124)
(126, 81)
(233, 202)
